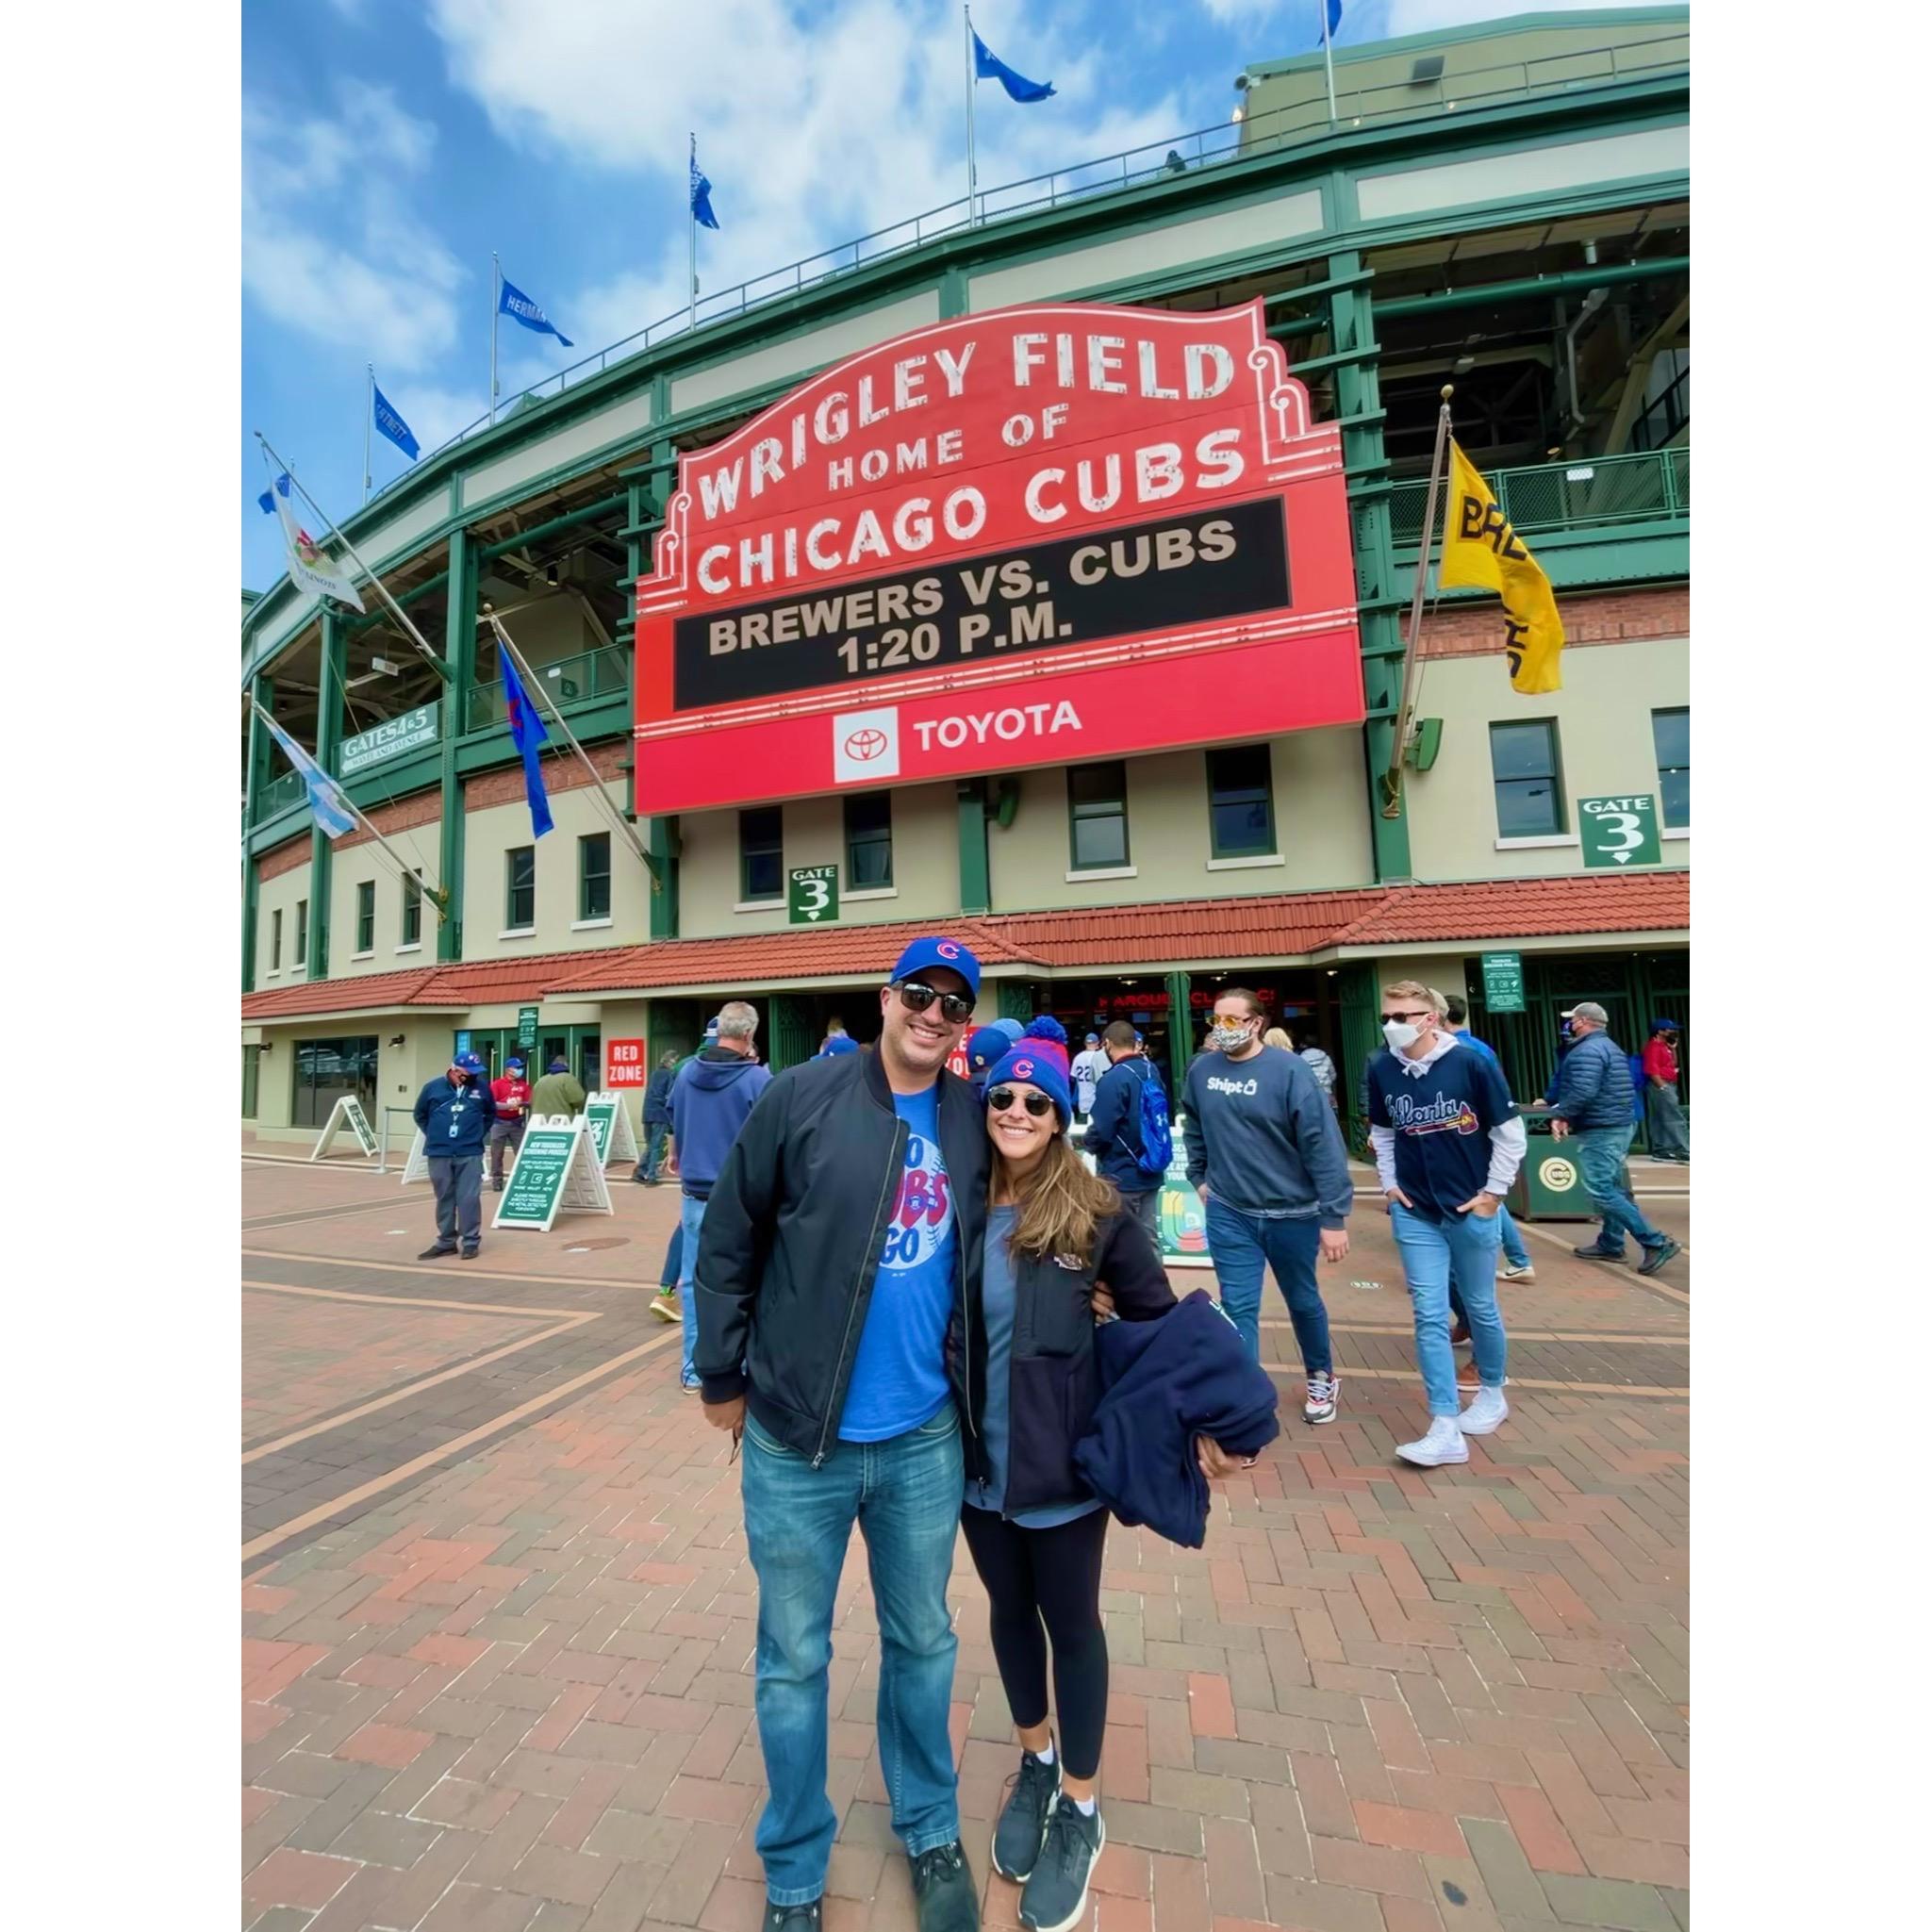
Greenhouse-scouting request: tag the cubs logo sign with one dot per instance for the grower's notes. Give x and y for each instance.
(985, 545)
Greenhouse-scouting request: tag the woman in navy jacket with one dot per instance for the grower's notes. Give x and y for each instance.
(1034, 1528)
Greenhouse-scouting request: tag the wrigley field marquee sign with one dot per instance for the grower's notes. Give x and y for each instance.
(1036, 536)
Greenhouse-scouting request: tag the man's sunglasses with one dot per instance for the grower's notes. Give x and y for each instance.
(955, 1007)
(1400, 1017)
(1037, 1103)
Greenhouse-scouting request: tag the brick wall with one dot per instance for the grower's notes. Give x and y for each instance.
(282, 858)
(1476, 629)
(561, 773)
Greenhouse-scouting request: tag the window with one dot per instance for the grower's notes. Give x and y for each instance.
(594, 876)
(1097, 805)
(1241, 801)
(301, 932)
(412, 909)
(761, 853)
(275, 940)
(365, 916)
(867, 840)
(327, 1069)
(1529, 785)
(519, 887)
(1671, 732)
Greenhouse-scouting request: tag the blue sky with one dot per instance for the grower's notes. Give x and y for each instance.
(390, 145)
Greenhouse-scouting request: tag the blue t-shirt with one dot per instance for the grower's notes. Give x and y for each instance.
(899, 1376)
(1441, 1119)
(995, 1426)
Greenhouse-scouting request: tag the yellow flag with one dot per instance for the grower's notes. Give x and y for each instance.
(1482, 550)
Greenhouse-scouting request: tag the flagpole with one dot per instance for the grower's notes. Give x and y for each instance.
(368, 418)
(691, 212)
(972, 169)
(532, 684)
(496, 302)
(402, 616)
(1392, 779)
(1328, 59)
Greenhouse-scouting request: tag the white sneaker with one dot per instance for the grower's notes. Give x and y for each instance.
(1487, 1412)
(1323, 1390)
(1526, 1273)
(1443, 1443)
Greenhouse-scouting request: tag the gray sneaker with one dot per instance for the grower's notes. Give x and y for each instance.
(1056, 1894)
(1022, 1827)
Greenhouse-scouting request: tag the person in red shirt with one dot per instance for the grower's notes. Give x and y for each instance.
(1668, 1141)
(512, 1095)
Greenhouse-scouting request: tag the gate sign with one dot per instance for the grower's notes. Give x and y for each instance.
(389, 739)
(1620, 831)
(1502, 983)
(812, 896)
(992, 543)
(623, 1063)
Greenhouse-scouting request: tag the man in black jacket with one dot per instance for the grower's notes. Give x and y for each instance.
(842, 1236)
(656, 1118)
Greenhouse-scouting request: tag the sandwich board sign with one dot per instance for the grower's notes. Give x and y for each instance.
(611, 1133)
(416, 1167)
(348, 1113)
(556, 1172)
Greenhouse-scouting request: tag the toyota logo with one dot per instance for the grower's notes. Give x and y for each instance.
(862, 747)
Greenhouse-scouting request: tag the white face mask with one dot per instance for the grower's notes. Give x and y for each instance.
(1399, 1033)
(1224, 1037)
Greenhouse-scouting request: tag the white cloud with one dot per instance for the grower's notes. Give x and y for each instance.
(331, 245)
(814, 129)
(1239, 12)
(1427, 16)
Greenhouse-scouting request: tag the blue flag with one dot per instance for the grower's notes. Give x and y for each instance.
(1334, 8)
(326, 798)
(701, 192)
(389, 423)
(528, 735)
(1019, 88)
(513, 301)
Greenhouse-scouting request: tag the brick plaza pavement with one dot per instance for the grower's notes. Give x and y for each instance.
(498, 1618)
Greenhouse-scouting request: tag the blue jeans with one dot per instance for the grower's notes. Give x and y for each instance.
(1600, 1153)
(691, 1220)
(674, 1270)
(1431, 1251)
(1240, 1244)
(1514, 1251)
(905, 1495)
(655, 1134)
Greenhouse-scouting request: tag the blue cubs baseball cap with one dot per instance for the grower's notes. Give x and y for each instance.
(469, 1063)
(1665, 1026)
(937, 951)
(986, 1045)
(513, 1066)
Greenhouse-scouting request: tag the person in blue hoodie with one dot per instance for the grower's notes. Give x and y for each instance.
(709, 1102)
(454, 1113)
(1114, 1131)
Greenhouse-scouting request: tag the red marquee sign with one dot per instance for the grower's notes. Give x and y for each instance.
(1033, 537)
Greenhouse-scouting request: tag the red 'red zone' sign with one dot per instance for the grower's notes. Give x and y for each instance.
(1037, 535)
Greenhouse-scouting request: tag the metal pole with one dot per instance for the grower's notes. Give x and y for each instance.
(533, 684)
(972, 81)
(691, 214)
(368, 418)
(1327, 59)
(496, 298)
(1392, 780)
(376, 583)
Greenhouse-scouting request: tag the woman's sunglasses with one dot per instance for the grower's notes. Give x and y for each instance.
(955, 1007)
(1037, 1104)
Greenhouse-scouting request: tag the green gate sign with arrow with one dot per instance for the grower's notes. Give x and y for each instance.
(812, 897)
(1619, 833)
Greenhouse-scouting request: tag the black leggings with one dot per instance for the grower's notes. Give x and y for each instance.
(1055, 1575)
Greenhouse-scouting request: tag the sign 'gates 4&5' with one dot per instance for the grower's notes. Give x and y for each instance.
(1035, 536)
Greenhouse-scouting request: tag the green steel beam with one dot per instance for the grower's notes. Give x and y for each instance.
(459, 653)
(328, 742)
(1180, 1036)
(662, 841)
(263, 690)
(557, 524)
(1571, 282)
(975, 866)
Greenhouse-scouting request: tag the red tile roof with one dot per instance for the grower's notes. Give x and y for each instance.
(1290, 925)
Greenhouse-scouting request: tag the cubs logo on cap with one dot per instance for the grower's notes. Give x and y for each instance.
(936, 949)
(1022, 1069)
(947, 949)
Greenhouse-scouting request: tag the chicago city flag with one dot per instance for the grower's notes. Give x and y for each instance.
(1482, 552)
(309, 563)
(325, 800)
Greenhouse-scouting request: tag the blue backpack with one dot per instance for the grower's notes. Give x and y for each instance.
(1156, 1136)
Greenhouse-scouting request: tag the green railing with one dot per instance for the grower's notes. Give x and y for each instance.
(594, 678)
(277, 795)
(1592, 492)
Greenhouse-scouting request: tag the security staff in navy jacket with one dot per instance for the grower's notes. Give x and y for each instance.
(454, 1113)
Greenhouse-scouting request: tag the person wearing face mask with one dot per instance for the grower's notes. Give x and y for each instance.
(454, 1113)
(1667, 1138)
(1447, 1142)
(1266, 1157)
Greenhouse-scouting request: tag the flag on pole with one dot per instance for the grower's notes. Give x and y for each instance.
(511, 301)
(701, 192)
(1334, 21)
(325, 800)
(528, 735)
(988, 66)
(1482, 550)
(309, 563)
(389, 422)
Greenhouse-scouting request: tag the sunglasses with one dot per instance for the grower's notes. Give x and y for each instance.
(1400, 1017)
(955, 1007)
(1037, 1104)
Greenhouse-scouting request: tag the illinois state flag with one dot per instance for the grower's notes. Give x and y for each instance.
(1482, 552)
(312, 567)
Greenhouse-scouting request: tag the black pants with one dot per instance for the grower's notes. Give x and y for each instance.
(1054, 1574)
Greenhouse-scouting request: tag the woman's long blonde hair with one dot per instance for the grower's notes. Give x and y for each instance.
(1277, 1036)
(1061, 1203)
